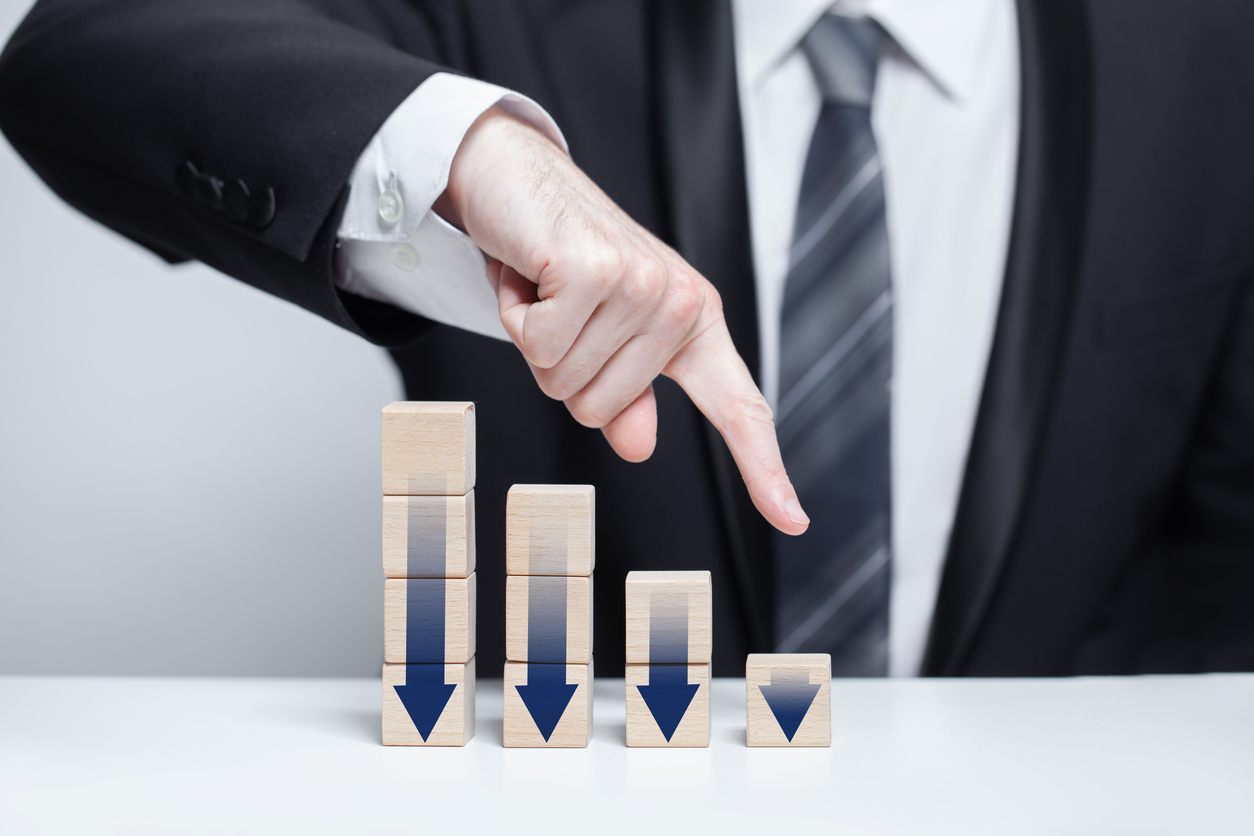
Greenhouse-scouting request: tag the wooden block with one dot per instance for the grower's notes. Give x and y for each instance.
(428, 448)
(547, 706)
(548, 619)
(550, 530)
(428, 620)
(669, 618)
(668, 705)
(788, 699)
(429, 536)
(428, 705)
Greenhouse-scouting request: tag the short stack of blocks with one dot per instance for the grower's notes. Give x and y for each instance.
(429, 571)
(550, 553)
(669, 646)
(788, 699)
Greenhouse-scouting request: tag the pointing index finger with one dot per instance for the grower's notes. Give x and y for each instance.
(715, 377)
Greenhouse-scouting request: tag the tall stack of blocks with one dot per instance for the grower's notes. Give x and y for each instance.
(429, 571)
(669, 645)
(550, 553)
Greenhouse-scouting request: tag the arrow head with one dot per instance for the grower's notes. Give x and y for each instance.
(547, 703)
(668, 696)
(789, 703)
(424, 696)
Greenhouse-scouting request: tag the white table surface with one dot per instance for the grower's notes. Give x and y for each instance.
(1154, 755)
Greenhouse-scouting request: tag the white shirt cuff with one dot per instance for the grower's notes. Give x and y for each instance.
(406, 165)
(392, 247)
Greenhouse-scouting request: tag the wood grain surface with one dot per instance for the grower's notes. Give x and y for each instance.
(428, 448)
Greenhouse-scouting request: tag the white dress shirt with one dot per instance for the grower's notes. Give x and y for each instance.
(946, 118)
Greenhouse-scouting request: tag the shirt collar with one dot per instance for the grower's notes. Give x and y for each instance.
(945, 38)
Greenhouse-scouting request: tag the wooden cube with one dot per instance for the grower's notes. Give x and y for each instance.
(550, 530)
(429, 536)
(669, 617)
(548, 619)
(668, 705)
(428, 448)
(788, 699)
(428, 620)
(428, 705)
(547, 706)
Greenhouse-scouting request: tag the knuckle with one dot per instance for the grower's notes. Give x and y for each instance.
(604, 265)
(688, 300)
(645, 284)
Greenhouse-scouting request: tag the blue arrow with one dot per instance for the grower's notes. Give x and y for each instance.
(668, 693)
(668, 696)
(789, 695)
(424, 695)
(424, 621)
(546, 693)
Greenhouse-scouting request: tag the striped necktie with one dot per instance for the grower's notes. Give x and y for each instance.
(836, 328)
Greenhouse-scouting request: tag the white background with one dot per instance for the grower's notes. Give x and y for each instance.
(188, 467)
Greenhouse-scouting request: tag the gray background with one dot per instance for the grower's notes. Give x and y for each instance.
(189, 469)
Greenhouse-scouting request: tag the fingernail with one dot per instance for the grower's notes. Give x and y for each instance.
(793, 509)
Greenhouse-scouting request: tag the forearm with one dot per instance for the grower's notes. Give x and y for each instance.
(107, 101)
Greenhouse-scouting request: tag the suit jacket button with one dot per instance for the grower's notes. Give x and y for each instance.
(236, 201)
(186, 177)
(211, 191)
(261, 209)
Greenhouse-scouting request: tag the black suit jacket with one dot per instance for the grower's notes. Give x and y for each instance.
(1106, 521)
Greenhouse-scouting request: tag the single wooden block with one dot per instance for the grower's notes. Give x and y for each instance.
(428, 448)
(429, 536)
(428, 620)
(548, 619)
(668, 705)
(788, 699)
(550, 530)
(547, 706)
(669, 617)
(428, 705)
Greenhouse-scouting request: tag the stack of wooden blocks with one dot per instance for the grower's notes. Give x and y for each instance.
(429, 571)
(669, 646)
(550, 553)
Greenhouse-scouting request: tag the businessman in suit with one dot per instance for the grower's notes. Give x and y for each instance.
(984, 266)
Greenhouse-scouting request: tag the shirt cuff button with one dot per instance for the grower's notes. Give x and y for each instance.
(404, 257)
(391, 206)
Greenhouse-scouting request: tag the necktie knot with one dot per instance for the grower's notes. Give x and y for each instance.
(844, 53)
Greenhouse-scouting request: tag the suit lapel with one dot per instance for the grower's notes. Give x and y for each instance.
(707, 212)
(1033, 321)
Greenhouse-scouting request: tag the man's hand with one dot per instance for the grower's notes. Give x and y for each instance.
(599, 307)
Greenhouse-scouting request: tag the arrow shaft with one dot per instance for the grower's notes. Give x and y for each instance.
(668, 628)
(546, 620)
(424, 620)
(426, 554)
(546, 674)
(424, 674)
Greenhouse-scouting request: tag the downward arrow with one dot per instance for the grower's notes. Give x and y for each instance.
(668, 696)
(546, 695)
(668, 693)
(424, 695)
(789, 695)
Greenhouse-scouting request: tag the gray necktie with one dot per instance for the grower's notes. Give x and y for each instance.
(836, 329)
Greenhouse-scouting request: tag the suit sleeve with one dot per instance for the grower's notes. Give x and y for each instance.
(218, 130)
